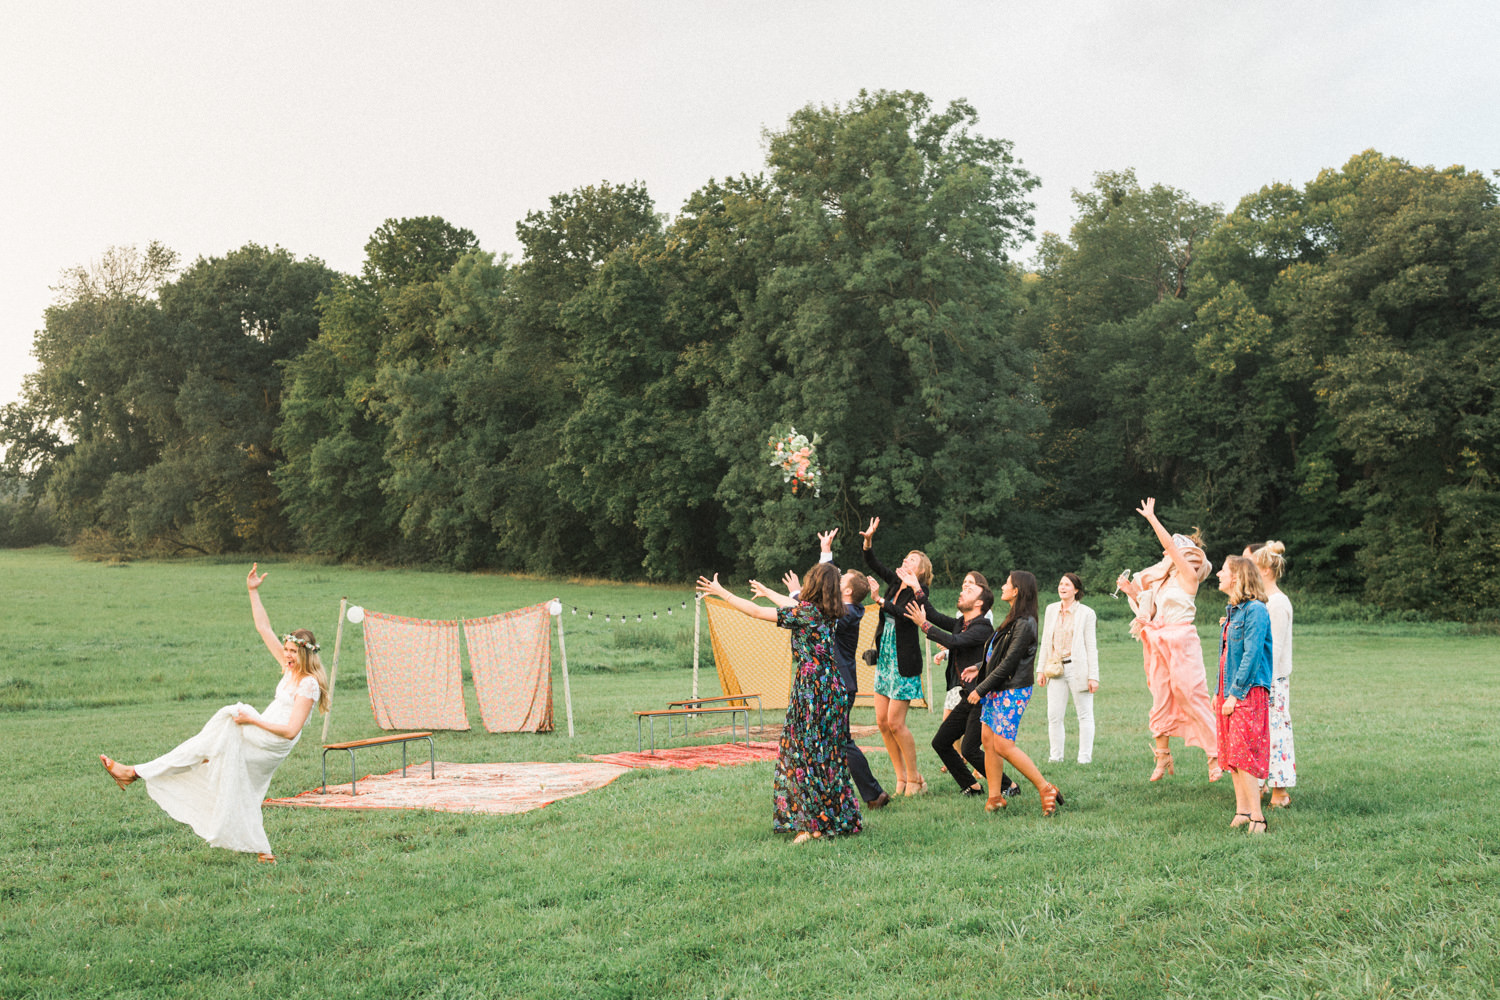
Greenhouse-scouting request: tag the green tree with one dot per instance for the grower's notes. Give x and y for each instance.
(888, 311)
(332, 480)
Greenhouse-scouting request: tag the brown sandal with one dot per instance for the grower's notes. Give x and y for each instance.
(110, 766)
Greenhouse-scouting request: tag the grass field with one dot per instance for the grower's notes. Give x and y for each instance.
(1383, 880)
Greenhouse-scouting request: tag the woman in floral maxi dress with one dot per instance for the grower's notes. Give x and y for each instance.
(812, 792)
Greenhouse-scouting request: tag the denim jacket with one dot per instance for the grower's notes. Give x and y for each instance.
(1247, 642)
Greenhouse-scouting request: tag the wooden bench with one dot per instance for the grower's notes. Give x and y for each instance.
(746, 698)
(375, 741)
(650, 716)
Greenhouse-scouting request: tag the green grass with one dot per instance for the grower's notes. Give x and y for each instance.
(1381, 881)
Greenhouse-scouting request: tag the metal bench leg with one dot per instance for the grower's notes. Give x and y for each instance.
(352, 778)
(431, 756)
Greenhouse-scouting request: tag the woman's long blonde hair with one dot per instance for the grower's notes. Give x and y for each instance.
(308, 665)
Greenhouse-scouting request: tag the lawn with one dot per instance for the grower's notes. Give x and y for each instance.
(1381, 881)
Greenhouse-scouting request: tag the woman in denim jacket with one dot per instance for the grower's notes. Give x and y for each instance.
(1243, 700)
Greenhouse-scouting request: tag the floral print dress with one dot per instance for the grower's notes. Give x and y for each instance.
(811, 790)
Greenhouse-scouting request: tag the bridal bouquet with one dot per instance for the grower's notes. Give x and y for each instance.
(797, 458)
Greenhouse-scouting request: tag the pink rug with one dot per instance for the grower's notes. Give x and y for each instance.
(464, 788)
(688, 758)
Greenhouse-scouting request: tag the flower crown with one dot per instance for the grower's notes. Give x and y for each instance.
(306, 644)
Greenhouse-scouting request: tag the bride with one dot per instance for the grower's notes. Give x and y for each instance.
(215, 781)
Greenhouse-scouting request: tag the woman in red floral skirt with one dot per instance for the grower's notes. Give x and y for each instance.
(1243, 700)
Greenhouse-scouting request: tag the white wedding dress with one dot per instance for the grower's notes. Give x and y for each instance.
(215, 781)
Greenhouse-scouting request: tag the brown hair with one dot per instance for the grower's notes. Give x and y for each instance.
(1024, 606)
(1245, 583)
(986, 595)
(820, 588)
(859, 586)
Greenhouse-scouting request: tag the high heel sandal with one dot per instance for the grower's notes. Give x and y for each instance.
(1215, 772)
(995, 804)
(1258, 823)
(918, 787)
(1164, 764)
(900, 786)
(1240, 819)
(1051, 799)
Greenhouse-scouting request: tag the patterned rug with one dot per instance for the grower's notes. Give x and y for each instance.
(465, 788)
(689, 758)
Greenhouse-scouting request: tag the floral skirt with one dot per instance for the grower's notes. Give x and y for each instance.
(1283, 768)
(1245, 736)
(888, 679)
(1002, 711)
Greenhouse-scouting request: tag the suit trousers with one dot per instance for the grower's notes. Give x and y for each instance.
(859, 767)
(965, 722)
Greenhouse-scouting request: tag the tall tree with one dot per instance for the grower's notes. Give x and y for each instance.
(332, 435)
(888, 311)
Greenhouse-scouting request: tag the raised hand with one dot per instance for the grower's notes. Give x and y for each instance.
(253, 581)
(825, 540)
(761, 590)
(793, 585)
(916, 614)
(869, 533)
(1147, 509)
(707, 586)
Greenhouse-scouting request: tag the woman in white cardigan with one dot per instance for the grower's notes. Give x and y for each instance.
(1069, 652)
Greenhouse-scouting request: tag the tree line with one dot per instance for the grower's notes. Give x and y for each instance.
(1317, 365)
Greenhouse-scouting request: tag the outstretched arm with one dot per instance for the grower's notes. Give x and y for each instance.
(258, 612)
(744, 607)
(780, 600)
(1187, 576)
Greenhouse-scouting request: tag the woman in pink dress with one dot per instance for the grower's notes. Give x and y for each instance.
(1162, 598)
(216, 781)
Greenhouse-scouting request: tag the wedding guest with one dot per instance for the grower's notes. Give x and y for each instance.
(1162, 598)
(1070, 666)
(1242, 704)
(898, 665)
(1003, 686)
(215, 781)
(1270, 559)
(811, 793)
(854, 587)
(965, 638)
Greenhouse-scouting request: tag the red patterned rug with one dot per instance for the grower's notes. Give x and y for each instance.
(688, 758)
(464, 788)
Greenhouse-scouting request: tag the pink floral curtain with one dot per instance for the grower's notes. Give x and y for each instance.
(510, 658)
(413, 670)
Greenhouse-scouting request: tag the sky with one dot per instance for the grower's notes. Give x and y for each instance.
(305, 126)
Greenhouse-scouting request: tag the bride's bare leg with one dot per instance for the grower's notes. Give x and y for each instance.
(123, 774)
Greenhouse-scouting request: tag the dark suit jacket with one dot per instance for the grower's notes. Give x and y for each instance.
(965, 641)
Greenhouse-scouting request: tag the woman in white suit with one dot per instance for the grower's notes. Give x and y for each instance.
(1070, 665)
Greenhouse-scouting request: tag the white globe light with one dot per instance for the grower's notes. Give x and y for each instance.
(554, 608)
(356, 614)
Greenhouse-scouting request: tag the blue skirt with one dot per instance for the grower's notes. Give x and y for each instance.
(1002, 711)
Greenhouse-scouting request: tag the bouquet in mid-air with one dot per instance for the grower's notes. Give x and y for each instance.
(797, 458)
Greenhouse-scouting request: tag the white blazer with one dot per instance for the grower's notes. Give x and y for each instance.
(1085, 649)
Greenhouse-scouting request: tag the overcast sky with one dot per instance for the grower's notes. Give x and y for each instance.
(306, 125)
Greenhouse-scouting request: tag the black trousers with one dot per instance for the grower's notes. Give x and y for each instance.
(964, 721)
(859, 768)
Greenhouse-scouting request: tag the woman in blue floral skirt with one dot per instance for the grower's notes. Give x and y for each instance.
(812, 793)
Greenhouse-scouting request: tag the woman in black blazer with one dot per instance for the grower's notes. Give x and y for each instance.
(1004, 685)
(898, 670)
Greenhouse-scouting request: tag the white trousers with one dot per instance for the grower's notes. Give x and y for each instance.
(1057, 706)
